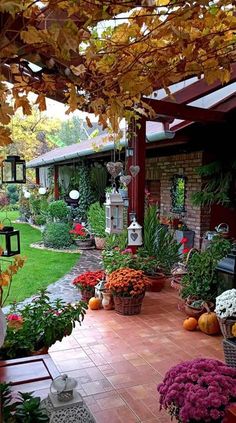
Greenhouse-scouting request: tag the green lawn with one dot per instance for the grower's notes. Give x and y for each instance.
(41, 267)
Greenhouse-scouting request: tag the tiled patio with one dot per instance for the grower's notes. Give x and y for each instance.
(119, 360)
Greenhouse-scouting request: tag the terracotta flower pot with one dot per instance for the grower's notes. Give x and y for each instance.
(100, 243)
(87, 294)
(157, 282)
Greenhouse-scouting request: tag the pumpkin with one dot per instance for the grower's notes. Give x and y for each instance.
(208, 323)
(190, 323)
(94, 303)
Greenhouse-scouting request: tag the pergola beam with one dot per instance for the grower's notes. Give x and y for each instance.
(182, 111)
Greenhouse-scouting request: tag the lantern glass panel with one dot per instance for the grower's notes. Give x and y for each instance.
(19, 171)
(3, 243)
(8, 172)
(10, 243)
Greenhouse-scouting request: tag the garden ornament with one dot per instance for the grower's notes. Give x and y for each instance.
(134, 170)
(125, 179)
(114, 168)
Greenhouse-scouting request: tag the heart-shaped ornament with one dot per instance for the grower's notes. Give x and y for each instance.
(134, 170)
(133, 236)
(125, 179)
(114, 168)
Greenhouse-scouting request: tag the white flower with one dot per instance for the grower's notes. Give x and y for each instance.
(226, 304)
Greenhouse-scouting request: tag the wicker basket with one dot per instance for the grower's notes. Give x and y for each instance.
(86, 295)
(229, 347)
(128, 305)
(226, 326)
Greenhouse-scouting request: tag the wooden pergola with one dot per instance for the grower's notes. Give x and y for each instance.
(166, 109)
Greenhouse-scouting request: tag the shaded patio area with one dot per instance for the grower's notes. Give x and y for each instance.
(119, 360)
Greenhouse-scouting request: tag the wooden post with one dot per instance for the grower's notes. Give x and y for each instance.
(37, 179)
(136, 188)
(56, 184)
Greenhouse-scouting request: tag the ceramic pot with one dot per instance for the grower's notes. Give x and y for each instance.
(107, 300)
(100, 243)
(84, 244)
(157, 282)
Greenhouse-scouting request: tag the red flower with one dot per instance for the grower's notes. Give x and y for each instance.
(184, 240)
(185, 250)
(88, 280)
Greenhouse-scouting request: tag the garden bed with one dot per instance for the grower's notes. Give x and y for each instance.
(40, 245)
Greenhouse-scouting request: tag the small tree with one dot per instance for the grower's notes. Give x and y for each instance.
(12, 194)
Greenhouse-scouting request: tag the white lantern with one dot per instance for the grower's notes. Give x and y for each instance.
(114, 212)
(42, 190)
(74, 194)
(27, 194)
(135, 234)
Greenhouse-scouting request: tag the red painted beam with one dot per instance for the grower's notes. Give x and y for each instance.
(56, 183)
(136, 188)
(181, 111)
(199, 89)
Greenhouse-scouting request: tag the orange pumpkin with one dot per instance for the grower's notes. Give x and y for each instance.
(190, 323)
(208, 323)
(94, 303)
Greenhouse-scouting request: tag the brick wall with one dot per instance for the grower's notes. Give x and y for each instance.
(163, 168)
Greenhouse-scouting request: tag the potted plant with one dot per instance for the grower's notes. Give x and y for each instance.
(86, 283)
(198, 391)
(36, 326)
(20, 407)
(226, 313)
(115, 258)
(97, 224)
(199, 285)
(128, 288)
(82, 237)
(151, 270)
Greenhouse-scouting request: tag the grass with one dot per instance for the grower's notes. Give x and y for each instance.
(41, 267)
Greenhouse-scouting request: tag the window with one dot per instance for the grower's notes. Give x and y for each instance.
(178, 185)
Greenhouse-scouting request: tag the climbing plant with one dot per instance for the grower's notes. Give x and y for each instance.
(86, 197)
(219, 183)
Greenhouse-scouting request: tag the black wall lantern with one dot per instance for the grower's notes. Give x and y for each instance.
(13, 170)
(226, 272)
(9, 241)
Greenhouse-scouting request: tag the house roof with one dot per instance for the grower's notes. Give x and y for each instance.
(223, 97)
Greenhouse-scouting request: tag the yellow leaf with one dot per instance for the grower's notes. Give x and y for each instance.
(11, 6)
(162, 2)
(78, 70)
(24, 103)
(32, 35)
(4, 279)
(5, 138)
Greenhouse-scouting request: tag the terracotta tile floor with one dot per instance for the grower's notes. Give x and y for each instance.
(119, 360)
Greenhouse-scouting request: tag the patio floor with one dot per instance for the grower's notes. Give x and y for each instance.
(119, 360)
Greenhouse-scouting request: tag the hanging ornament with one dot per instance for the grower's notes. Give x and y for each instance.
(27, 194)
(125, 179)
(134, 170)
(42, 190)
(114, 168)
(74, 194)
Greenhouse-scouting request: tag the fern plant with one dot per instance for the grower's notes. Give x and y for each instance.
(218, 188)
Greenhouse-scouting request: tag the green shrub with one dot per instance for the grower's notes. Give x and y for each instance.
(12, 194)
(58, 210)
(40, 220)
(56, 235)
(97, 220)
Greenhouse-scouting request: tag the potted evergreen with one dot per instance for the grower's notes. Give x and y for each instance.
(97, 222)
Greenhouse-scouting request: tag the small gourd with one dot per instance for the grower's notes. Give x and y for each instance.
(208, 323)
(190, 323)
(94, 303)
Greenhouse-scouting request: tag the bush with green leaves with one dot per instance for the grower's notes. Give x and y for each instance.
(12, 193)
(151, 226)
(117, 240)
(20, 408)
(40, 220)
(56, 235)
(97, 220)
(201, 281)
(58, 210)
(167, 251)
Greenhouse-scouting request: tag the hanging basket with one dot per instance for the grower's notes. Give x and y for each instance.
(226, 326)
(128, 305)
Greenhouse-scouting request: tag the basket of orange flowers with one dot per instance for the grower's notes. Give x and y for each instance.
(128, 288)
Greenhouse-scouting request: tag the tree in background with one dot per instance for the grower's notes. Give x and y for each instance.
(31, 134)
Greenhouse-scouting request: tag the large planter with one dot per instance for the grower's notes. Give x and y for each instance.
(87, 294)
(196, 312)
(157, 282)
(100, 243)
(85, 244)
(128, 306)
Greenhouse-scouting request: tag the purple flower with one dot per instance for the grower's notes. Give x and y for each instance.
(198, 390)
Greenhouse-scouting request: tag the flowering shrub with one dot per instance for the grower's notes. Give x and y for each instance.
(198, 390)
(80, 232)
(39, 324)
(226, 304)
(126, 282)
(88, 280)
